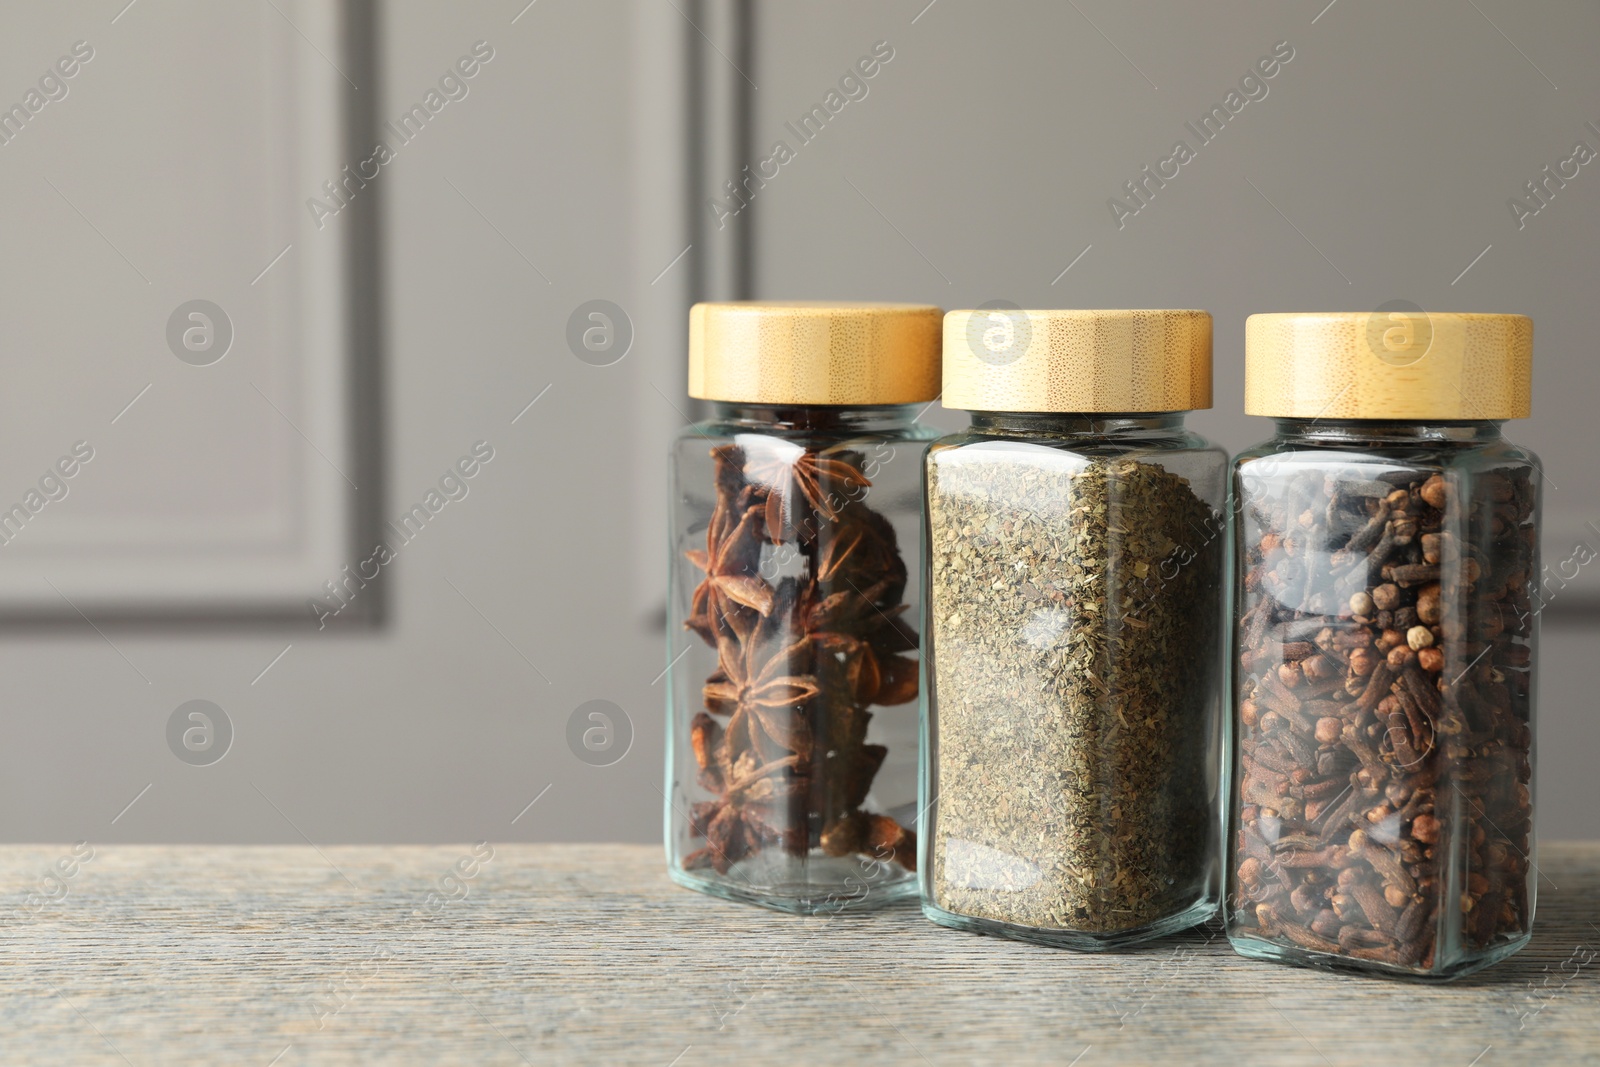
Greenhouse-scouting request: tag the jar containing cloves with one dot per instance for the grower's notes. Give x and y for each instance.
(1385, 552)
(1072, 755)
(793, 666)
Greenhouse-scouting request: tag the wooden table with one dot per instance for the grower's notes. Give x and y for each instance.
(586, 953)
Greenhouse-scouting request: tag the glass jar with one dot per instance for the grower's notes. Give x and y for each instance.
(792, 648)
(1386, 546)
(1072, 751)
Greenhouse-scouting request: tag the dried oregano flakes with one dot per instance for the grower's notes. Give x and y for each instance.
(1074, 630)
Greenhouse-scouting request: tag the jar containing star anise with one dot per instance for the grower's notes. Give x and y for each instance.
(792, 639)
(1386, 621)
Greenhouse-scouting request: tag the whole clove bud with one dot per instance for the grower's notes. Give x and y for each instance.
(1428, 604)
(1319, 668)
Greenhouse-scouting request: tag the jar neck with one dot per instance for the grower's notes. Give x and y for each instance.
(1078, 424)
(1347, 432)
(816, 418)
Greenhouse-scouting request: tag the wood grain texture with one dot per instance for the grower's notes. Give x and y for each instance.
(803, 352)
(1371, 365)
(1077, 361)
(586, 953)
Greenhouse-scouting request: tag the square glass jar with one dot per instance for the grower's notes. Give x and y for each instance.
(1075, 546)
(1386, 549)
(792, 647)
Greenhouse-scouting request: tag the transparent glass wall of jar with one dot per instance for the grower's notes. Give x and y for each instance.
(1382, 808)
(793, 649)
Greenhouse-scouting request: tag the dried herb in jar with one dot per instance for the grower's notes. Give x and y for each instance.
(1075, 613)
(802, 657)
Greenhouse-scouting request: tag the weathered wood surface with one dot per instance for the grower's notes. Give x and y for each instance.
(566, 953)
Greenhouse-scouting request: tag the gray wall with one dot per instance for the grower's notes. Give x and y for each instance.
(1377, 167)
(981, 161)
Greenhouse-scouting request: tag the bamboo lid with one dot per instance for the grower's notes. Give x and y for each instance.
(1077, 361)
(814, 353)
(1388, 364)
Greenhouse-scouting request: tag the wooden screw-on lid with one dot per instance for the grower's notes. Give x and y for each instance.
(810, 353)
(1389, 365)
(999, 359)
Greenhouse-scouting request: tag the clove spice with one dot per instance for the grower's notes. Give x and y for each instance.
(1382, 799)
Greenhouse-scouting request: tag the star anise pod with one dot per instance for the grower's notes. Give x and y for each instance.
(705, 738)
(841, 554)
(827, 482)
(728, 474)
(878, 836)
(737, 827)
(848, 676)
(858, 551)
(728, 839)
(852, 623)
(849, 611)
(762, 689)
(897, 680)
(764, 804)
(861, 676)
(731, 559)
